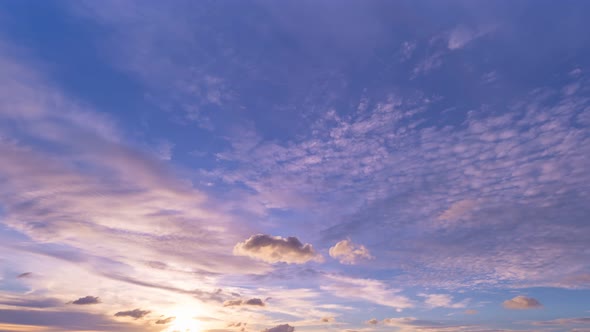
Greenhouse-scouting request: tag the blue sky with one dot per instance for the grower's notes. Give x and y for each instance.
(294, 166)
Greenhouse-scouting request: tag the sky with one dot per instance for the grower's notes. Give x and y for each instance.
(281, 166)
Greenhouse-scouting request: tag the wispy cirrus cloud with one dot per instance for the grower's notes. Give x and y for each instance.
(369, 290)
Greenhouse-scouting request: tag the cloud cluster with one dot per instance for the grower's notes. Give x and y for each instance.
(349, 253)
(275, 249)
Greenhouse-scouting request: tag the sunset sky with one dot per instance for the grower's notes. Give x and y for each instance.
(283, 165)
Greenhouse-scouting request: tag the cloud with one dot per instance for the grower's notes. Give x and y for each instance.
(87, 300)
(471, 312)
(522, 302)
(442, 300)
(22, 320)
(274, 249)
(349, 253)
(462, 35)
(25, 275)
(564, 321)
(457, 210)
(373, 291)
(30, 302)
(281, 328)
(328, 319)
(165, 320)
(251, 302)
(135, 313)
(372, 321)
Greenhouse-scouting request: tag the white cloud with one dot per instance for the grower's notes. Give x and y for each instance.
(442, 300)
(366, 289)
(462, 35)
(349, 253)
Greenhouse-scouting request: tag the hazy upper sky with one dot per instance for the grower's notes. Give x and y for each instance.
(285, 166)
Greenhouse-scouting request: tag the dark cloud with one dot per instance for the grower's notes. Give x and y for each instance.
(372, 321)
(25, 275)
(255, 301)
(136, 313)
(274, 249)
(87, 300)
(252, 302)
(281, 328)
(522, 302)
(165, 320)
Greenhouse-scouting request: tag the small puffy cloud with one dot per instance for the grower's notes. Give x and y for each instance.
(165, 320)
(25, 275)
(281, 328)
(136, 313)
(372, 321)
(522, 302)
(471, 312)
(274, 249)
(349, 253)
(254, 302)
(87, 300)
(328, 319)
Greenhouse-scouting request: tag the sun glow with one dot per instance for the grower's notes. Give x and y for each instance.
(184, 322)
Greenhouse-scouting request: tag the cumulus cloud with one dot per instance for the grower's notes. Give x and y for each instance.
(471, 312)
(274, 249)
(165, 320)
(252, 302)
(349, 253)
(281, 328)
(87, 300)
(328, 319)
(25, 275)
(522, 302)
(135, 313)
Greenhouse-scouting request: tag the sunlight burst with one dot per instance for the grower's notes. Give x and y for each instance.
(184, 322)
